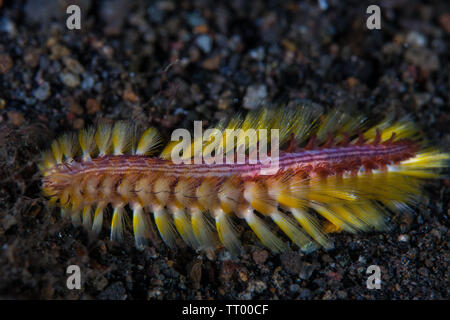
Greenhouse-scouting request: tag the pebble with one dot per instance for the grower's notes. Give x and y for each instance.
(31, 57)
(444, 20)
(306, 271)
(129, 95)
(6, 63)
(212, 63)
(255, 96)
(243, 276)
(305, 294)
(328, 295)
(294, 287)
(195, 274)
(113, 14)
(342, 294)
(8, 221)
(257, 53)
(423, 57)
(73, 106)
(16, 118)
(88, 82)
(194, 19)
(92, 106)
(69, 79)
(42, 92)
(100, 283)
(6, 25)
(351, 82)
(78, 123)
(73, 65)
(257, 286)
(291, 262)
(421, 99)
(416, 39)
(403, 238)
(204, 42)
(260, 256)
(116, 291)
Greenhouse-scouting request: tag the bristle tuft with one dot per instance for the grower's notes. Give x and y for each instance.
(103, 138)
(117, 224)
(263, 232)
(149, 141)
(121, 137)
(86, 139)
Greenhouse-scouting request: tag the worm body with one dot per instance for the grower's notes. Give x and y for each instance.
(335, 172)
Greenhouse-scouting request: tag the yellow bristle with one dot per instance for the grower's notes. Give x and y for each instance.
(258, 198)
(57, 152)
(86, 139)
(103, 138)
(121, 137)
(337, 122)
(75, 217)
(330, 190)
(149, 141)
(47, 162)
(263, 232)
(294, 233)
(370, 213)
(404, 128)
(227, 233)
(279, 191)
(213, 144)
(117, 223)
(247, 137)
(298, 122)
(52, 201)
(203, 231)
(425, 164)
(233, 125)
(346, 214)
(69, 146)
(140, 227)
(311, 226)
(184, 226)
(87, 216)
(332, 217)
(98, 218)
(164, 225)
(166, 154)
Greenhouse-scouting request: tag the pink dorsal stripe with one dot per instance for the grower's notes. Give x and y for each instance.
(127, 164)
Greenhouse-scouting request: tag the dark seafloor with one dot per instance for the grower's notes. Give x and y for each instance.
(167, 63)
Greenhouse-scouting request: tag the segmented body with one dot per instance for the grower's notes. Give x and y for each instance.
(341, 180)
(309, 161)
